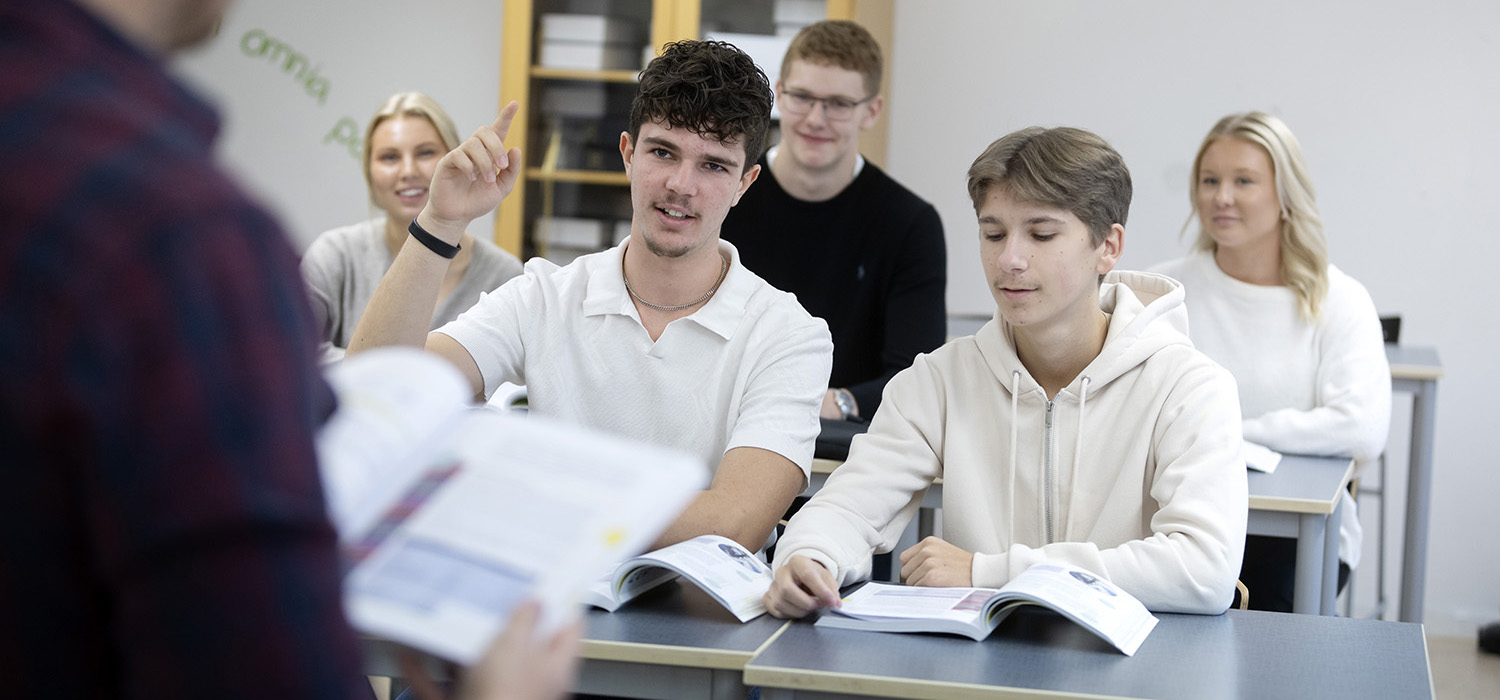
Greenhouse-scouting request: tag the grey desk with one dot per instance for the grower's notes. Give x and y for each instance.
(674, 642)
(1241, 654)
(1416, 370)
(1299, 500)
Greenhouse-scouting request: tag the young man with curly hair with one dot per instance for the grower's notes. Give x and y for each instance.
(667, 337)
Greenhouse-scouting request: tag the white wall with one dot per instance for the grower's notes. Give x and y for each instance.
(1396, 106)
(357, 53)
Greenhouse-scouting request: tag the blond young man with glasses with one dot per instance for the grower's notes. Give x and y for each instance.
(858, 249)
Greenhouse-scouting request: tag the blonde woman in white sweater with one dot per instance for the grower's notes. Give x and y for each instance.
(1259, 286)
(1078, 426)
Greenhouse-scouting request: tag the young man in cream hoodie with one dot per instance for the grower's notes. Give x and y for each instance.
(1078, 426)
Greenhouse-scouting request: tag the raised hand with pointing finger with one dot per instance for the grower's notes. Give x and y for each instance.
(472, 179)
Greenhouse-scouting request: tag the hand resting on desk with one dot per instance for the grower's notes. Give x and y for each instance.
(935, 562)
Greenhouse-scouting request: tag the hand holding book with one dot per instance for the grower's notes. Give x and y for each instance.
(450, 516)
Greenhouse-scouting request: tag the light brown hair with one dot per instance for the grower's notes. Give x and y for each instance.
(1070, 169)
(837, 42)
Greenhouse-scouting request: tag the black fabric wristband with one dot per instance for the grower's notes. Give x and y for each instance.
(431, 241)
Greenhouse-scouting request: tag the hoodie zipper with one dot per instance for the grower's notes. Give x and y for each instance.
(1047, 472)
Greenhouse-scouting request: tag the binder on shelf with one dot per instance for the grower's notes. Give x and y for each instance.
(581, 28)
(580, 100)
(589, 42)
(584, 56)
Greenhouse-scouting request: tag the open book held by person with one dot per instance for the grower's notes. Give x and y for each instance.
(718, 565)
(1083, 597)
(449, 515)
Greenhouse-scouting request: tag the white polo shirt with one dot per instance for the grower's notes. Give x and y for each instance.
(747, 369)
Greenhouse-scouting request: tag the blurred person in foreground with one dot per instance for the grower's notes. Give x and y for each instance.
(159, 394)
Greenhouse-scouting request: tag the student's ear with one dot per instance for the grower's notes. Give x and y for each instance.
(1110, 249)
(746, 181)
(872, 114)
(627, 151)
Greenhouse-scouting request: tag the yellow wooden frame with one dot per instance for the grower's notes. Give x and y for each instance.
(670, 20)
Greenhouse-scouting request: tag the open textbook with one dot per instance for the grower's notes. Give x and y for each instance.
(718, 565)
(449, 515)
(1087, 599)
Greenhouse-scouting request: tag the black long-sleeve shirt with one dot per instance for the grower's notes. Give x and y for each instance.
(871, 262)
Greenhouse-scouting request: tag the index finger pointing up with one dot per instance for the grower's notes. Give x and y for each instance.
(507, 114)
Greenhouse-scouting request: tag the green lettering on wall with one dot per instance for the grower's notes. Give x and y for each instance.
(253, 43)
(256, 43)
(346, 132)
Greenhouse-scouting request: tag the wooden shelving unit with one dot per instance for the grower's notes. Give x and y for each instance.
(582, 177)
(520, 79)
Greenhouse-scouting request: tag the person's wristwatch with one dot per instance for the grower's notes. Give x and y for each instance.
(845, 401)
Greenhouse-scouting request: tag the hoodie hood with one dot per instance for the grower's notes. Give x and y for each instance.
(1146, 315)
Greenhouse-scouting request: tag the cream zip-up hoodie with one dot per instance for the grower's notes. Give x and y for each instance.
(1133, 471)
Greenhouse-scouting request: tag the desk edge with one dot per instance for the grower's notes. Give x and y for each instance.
(867, 685)
(1417, 372)
(693, 657)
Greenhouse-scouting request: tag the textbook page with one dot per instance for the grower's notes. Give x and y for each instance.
(608, 594)
(718, 565)
(393, 402)
(1086, 598)
(498, 508)
(889, 607)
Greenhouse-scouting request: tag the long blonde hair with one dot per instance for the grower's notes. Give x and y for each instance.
(1304, 250)
(409, 104)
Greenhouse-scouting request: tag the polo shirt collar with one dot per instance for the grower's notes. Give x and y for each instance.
(721, 315)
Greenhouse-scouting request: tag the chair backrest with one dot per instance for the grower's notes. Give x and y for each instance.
(1390, 327)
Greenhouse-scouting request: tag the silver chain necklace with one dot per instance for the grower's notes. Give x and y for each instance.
(723, 269)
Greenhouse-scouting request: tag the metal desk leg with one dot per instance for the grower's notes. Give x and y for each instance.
(1418, 492)
(1307, 592)
(1330, 589)
(727, 685)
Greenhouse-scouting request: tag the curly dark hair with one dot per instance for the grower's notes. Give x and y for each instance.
(709, 87)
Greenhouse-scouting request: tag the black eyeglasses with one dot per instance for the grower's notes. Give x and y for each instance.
(835, 108)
